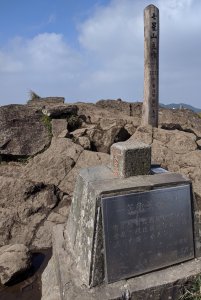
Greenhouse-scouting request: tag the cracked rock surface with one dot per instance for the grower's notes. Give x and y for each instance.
(176, 151)
(14, 259)
(36, 194)
(22, 131)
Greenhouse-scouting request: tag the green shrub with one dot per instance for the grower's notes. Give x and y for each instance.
(74, 122)
(193, 290)
(47, 122)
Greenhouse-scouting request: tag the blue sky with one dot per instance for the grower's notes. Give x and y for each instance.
(87, 50)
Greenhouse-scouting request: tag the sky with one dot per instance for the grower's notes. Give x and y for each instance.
(87, 50)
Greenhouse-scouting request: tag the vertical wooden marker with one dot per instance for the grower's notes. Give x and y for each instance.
(151, 66)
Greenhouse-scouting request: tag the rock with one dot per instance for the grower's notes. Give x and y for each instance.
(78, 132)
(143, 134)
(177, 141)
(101, 141)
(94, 113)
(11, 169)
(55, 163)
(108, 123)
(60, 111)
(123, 107)
(176, 151)
(182, 119)
(47, 101)
(36, 195)
(79, 137)
(86, 159)
(22, 131)
(14, 260)
(24, 208)
(43, 237)
(50, 287)
(84, 141)
(199, 143)
(130, 128)
(59, 127)
(63, 134)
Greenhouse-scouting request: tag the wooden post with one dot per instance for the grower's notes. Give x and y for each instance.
(151, 66)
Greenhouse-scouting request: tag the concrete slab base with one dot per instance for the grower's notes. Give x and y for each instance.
(163, 284)
(50, 288)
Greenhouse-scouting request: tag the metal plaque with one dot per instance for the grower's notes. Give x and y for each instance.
(146, 231)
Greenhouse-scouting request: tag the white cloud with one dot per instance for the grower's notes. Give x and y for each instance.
(112, 28)
(45, 64)
(109, 62)
(114, 36)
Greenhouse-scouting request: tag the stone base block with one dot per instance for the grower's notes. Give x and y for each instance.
(130, 158)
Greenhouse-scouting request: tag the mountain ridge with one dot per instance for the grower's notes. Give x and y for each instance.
(183, 105)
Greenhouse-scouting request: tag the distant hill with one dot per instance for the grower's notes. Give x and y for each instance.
(178, 105)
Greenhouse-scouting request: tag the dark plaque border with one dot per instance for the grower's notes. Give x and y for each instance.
(146, 231)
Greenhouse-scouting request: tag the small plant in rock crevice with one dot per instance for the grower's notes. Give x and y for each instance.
(74, 122)
(192, 291)
(47, 122)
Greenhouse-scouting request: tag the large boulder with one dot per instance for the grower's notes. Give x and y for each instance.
(178, 141)
(170, 119)
(108, 131)
(181, 119)
(102, 140)
(55, 163)
(36, 196)
(94, 113)
(176, 151)
(100, 136)
(25, 206)
(22, 131)
(60, 111)
(86, 159)
(14, 260)
(124, 107)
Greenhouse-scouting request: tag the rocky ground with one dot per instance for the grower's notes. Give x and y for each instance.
(42, 148)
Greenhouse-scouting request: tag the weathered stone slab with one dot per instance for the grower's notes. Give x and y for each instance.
(130, 158)
(146, 231)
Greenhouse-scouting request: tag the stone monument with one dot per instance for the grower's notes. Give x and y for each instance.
(126, 231)
(133, 231)
(151, 66)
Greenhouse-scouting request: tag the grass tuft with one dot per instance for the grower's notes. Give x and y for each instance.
(33, 95)
(47, 122)
(193, 290)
